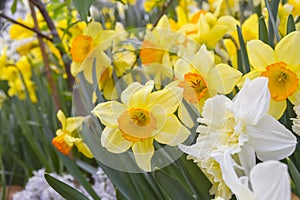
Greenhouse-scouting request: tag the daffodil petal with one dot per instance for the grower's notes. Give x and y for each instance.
(260, 54)
(231, 179)
(169, 98)
(288, 49)
(203, 61)
(62, 118)
(112, 140)
(270, 139)
(139, 97)
(222, 78)
(73, 123)
(252, 102)
(173, 132)
(92, 29)
(277, 108)
(109, 112)
(83, 148)
(143, 152)
(182, 67)
(270, 180)
(247, 158)
(185, 116)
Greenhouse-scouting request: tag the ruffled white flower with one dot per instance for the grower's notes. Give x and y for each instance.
(243, 126)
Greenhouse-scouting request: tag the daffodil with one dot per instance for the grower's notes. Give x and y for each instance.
(242, 126)
(266, 180)
(155, 49)
(200, 79)
(68, 135)
(142, 117)
(94, 38)
(281, 66)
(209, 28)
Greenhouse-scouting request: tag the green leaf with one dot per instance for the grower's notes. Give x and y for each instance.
(172, 186)
(272, 8)
(14, 7)
(290, 24)
(200, 182)
(263, 32)
(83, 7)
(63, 189)
(295, 175)
(244, 55)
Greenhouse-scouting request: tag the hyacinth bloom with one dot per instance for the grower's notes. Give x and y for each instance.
(280, 66)
(241, 127)
(200, 78)
(67, 136)
(142, 117)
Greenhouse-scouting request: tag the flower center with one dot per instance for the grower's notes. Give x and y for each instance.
(282, 81)
(137, 124)
(80, 48)
(151, 52)
(194, 87)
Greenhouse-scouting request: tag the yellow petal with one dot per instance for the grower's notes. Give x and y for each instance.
(288, 49)
(92, 29)
(173, 132)
(260, 54)
(139, 97)
(216, 33)
(62, 118)
(182, 67)
(73, 123)
(277, 108)
(163, 23)
(185, 116)
(223, 78)
(203, 61)
(112, 140)
(169, 98)
(83, 148)
(143, 152)
(109, 112)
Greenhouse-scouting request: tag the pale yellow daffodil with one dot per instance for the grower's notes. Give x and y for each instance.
(281, 66)
(68, 135)
(201, 78)
(142, 117)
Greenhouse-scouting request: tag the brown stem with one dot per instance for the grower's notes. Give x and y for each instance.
(164, 9)
(56, 39)
(27, 27)
(46, 61)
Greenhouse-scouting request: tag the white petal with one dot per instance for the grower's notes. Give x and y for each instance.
(270, 139)
(252, 102)
(247, 158)
(173, 132)
(112, 140)
(270, 180)
(109, 112)
(231, 179)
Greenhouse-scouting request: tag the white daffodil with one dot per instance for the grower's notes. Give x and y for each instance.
(242, 126)
(267, 180)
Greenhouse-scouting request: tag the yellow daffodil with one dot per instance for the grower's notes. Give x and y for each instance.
(281, 66)
(142, 117)
(68, 135)
(209, 28)
(224, 7)
(155, 49)
(93, 38)
(200, 79)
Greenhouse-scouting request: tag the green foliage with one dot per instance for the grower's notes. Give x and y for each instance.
(83, 7)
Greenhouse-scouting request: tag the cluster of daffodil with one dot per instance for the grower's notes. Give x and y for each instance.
(155, 85)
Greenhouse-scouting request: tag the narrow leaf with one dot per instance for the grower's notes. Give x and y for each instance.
(172, 186)
(295, 175)
(272, 8)
(290, 24)
(83, 7)
(263, 32)
(244, 55)
(63, 189)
